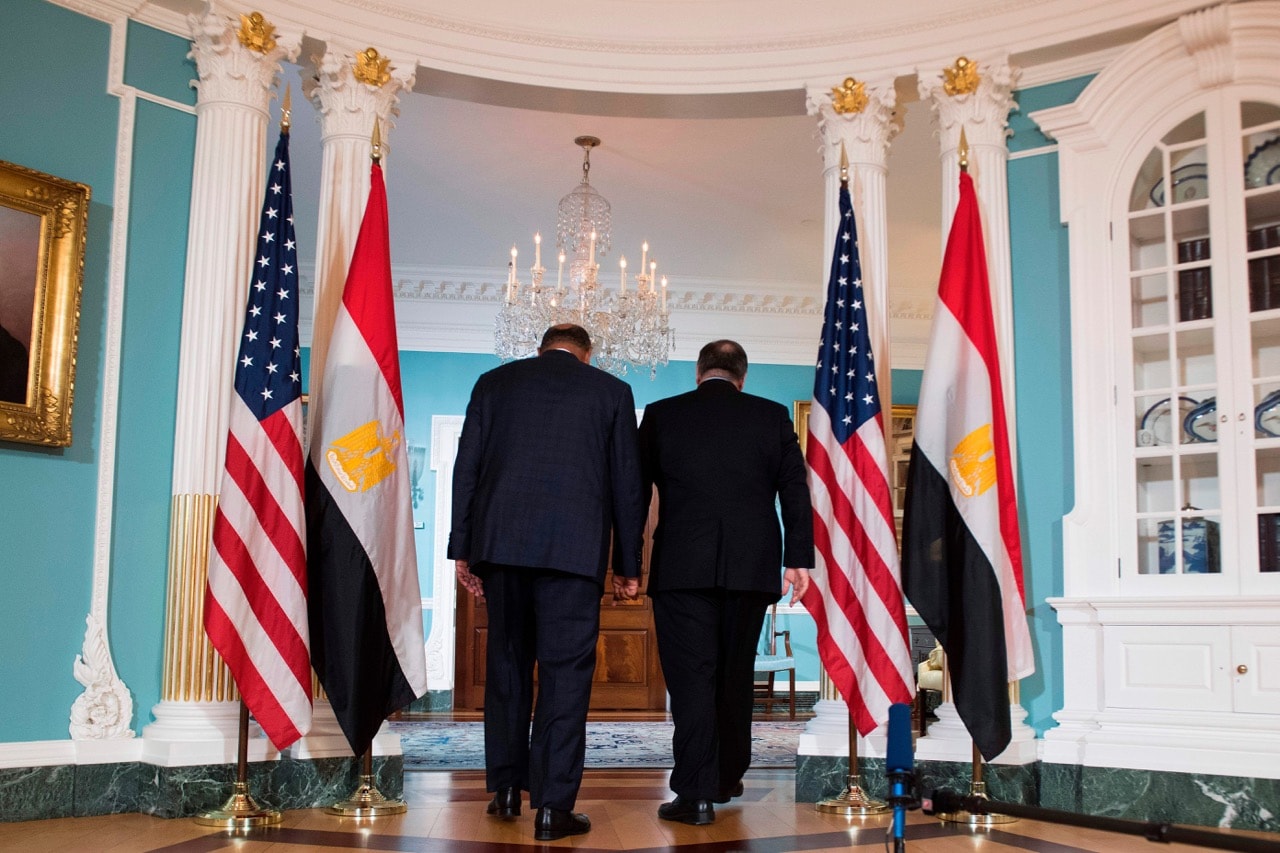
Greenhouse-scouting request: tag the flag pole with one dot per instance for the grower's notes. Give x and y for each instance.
(853, 801)
(977, 787)
(240, 811)
(367, 801)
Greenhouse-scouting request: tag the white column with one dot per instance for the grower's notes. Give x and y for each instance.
(984, 115)
(983, 112)
(197, 718)
(865, 135)
(351, 90)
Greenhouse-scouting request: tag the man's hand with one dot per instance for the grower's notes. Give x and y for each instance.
(472, 583)
(797, 581)
(627, 589)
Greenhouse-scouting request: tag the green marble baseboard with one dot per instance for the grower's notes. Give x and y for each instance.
(1190, 799)
(37, 793)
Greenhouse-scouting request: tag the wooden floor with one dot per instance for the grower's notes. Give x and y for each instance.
(446, 814)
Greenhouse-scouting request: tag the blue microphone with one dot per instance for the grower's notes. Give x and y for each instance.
(899, 768)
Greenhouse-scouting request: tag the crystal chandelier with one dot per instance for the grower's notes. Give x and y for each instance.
(628, 326)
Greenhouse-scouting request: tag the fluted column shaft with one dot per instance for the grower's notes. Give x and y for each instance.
(234, 89)
(865, 136)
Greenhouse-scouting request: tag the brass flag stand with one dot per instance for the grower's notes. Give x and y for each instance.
(977, 788)
(367, 800)
(240, 811)
(852, 801)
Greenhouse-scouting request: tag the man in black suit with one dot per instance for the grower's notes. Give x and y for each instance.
(547, 466)
(720, 459)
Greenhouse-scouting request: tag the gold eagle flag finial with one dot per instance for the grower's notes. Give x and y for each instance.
(961, 78)
(849, 97)
(256, 33)
(372, 68)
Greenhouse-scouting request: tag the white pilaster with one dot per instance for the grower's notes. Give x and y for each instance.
(197, 718)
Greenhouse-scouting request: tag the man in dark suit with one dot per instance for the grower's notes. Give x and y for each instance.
(547, 466)
(720, 459)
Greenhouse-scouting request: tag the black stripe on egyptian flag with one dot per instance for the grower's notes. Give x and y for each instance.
(952, 585)
(351, 648)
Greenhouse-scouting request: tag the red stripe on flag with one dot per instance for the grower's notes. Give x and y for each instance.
(840, 569)
(368, 293)
(873, 481)
(283, 435)
(965, 289)
(262, 601)
(266, 709)
(280, 529)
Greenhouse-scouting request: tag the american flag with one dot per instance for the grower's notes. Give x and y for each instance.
(856, 593)
(256, 599)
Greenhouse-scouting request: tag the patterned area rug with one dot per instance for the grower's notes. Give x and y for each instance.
(431, 745)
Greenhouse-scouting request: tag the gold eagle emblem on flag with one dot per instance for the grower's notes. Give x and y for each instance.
(363, 458)
(973, 462)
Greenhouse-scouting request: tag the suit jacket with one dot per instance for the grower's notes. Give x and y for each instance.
(721, 460)
(547, 465)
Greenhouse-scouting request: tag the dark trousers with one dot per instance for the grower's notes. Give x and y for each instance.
(552, 619)
(707, 641)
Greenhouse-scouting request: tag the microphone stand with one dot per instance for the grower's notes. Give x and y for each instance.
(900, 798)
(1165, 833)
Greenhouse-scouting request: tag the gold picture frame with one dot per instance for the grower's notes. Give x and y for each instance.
(43, 225)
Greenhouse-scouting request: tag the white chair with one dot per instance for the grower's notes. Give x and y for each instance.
(771, 663)
(930, 675)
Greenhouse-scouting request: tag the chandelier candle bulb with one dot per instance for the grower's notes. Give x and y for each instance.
(653, 275)
(664, 294)
(591, 260)
(537, 250)
(560, 272)
(622, 275)
(644, 255)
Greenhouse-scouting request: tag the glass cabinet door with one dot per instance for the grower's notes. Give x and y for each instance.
(1200, 507)
(1260, 149)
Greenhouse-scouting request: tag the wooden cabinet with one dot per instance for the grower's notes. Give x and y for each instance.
(628, 675)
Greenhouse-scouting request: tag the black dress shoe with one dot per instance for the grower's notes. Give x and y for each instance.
(693, 812)
(505, 803)
(550, 824)
(731, 792)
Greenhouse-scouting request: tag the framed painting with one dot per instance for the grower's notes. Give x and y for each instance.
(43, 222)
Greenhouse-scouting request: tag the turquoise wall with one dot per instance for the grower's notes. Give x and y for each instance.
(49, 503)
(1042, 386)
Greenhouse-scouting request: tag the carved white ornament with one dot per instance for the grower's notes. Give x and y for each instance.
(866, 134)
(104, 709)
(230, 72)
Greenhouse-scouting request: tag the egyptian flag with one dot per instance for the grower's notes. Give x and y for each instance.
(961, 551)
(364, 606)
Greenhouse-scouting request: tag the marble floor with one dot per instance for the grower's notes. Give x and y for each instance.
(446, 814)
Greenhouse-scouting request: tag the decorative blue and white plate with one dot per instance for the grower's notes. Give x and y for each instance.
(1190, 183)
(1162, 422)
(1262, 167)
(1266, 415)
(1201, 423)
